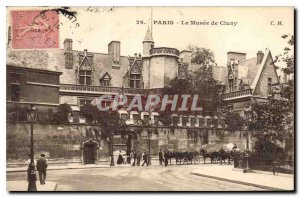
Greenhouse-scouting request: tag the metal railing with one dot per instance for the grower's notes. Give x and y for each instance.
(164, 50)
(88, 88)
(247, 92)
(283, 163)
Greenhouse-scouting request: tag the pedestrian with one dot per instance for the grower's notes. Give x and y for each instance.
(138, 158)
(120, 158)
(134, 157)
(145, 158)
(41, 167)
(166, 158)
(234, 147)
(131, 158)
(160, 157)
(124, 159)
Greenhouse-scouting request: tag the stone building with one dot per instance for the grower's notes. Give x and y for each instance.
(248, 80)
(86, 75)
(25, 86)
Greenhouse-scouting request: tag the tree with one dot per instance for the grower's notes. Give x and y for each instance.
(234, 121)
(90, 113)
(63, 113)
(286, 59)
(203, 81)
(165, 118)
(201, 55)
(270, 124)
(198, 82)
(110, 121)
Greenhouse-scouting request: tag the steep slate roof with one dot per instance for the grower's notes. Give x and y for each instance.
(148, 36)
(248, 70)
(267, 54)
(54, 59)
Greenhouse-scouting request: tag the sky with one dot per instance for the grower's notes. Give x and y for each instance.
(253, 30)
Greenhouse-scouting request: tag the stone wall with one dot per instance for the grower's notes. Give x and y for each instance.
(65, 141)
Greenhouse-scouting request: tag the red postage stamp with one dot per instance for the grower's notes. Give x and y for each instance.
(35, 29)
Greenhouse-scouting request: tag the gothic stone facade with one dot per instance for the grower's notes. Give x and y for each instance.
(86, 75)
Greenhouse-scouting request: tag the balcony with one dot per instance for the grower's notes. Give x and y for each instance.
(84, 89)
(237, 94)
(164, 51)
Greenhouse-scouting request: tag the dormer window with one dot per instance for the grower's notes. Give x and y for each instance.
(135, 81)
(105, 80)
(85, 77)
(85, 60)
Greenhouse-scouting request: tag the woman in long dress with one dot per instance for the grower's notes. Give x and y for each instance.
(120, 159)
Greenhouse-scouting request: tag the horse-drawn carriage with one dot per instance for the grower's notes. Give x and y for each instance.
(218, 152)
(185, 157)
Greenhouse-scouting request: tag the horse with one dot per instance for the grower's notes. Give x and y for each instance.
(213, 156)
(223, 155)
(184, 157)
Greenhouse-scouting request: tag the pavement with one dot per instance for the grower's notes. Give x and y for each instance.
(260, 179)
(19, 186)
(62, 167)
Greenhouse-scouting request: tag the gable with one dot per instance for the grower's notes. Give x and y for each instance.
(135, 69)
(85, 60)
(106, 76)
(268, 71)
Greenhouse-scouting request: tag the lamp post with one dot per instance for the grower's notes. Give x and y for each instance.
(247, 169)
(112, 162)
(149, 145)
(31, 173)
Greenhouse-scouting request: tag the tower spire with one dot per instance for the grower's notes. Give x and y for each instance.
(148, 36)
(151, 21)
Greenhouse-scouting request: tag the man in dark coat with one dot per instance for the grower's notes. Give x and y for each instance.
(138, 158)
(134, 158)
(41, 167)
(145, 158)
(166, 158)
(160, 157)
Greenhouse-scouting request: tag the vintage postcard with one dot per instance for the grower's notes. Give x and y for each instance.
(150, 99)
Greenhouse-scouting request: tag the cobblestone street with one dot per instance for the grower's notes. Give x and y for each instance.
(151, 178)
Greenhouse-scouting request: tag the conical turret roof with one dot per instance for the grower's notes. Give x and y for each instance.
(148, 36)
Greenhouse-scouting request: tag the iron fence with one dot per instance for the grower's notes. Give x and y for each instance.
(282, 163)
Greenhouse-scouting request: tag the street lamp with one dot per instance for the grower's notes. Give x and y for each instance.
(112, 162)
(149, 162)
(247, 114)
(31, 115)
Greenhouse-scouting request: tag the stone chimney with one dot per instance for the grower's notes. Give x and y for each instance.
(260, 56)
(235, 57)
(68, 45)
(114, 52)
(68, 53)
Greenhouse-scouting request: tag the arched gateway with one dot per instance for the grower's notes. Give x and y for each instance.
(90, 152)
